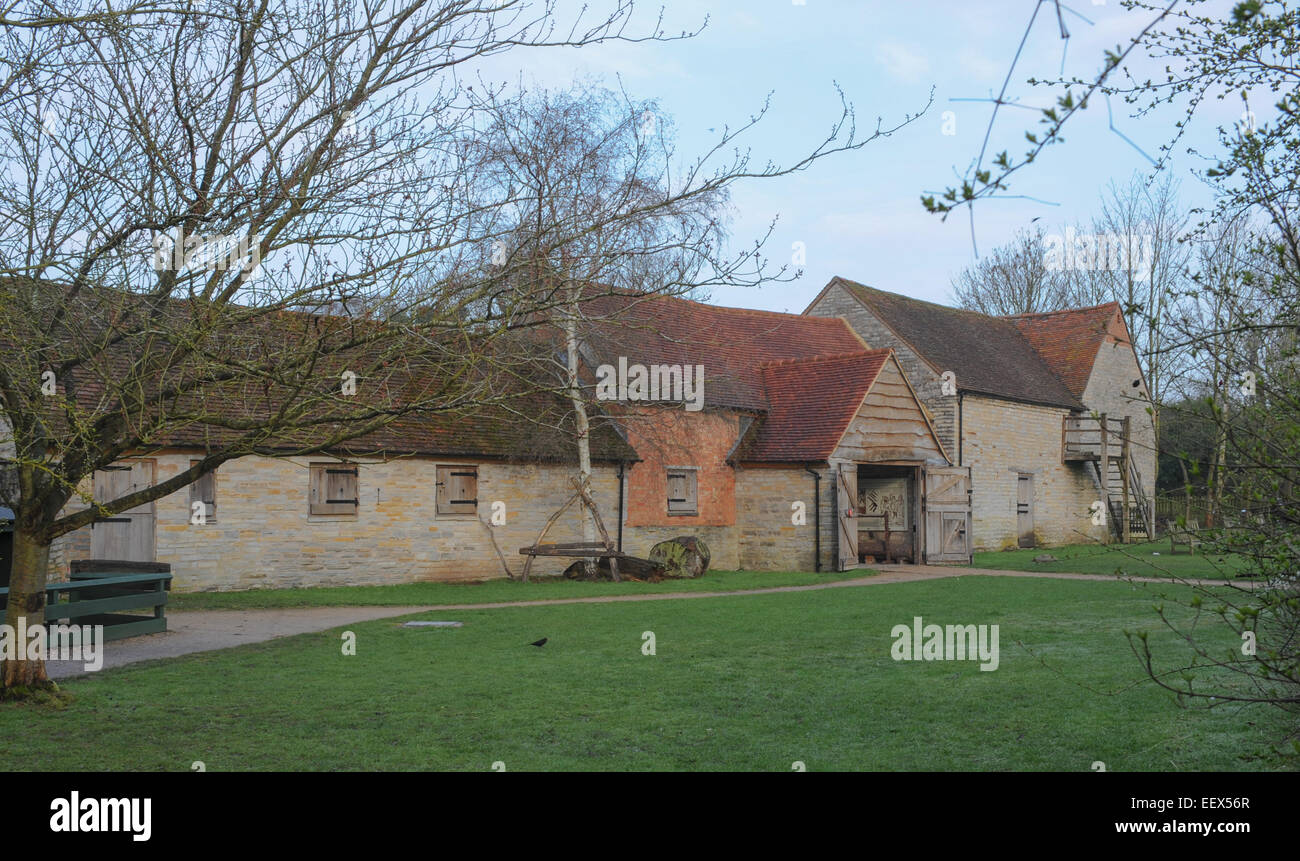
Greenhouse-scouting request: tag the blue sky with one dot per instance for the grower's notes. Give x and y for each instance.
(859, 213)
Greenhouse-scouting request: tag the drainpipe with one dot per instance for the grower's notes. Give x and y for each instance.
(960, 395)
(817, 517)
(621, 464)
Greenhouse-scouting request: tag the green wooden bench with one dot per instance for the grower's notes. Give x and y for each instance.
(97, 598)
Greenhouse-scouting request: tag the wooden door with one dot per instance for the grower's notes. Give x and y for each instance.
(1025, 509)
(947, 505)
(129, 535)
(846, 501)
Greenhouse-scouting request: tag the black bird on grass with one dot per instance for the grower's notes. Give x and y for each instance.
(539, 643)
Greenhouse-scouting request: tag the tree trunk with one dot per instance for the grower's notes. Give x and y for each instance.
(26, 602)
(1218, 470)
(1187, 493)
(583, 426)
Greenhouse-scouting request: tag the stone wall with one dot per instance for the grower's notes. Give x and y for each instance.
(769, 539)
(263, 535)
(1001, 440)
(1110, 390)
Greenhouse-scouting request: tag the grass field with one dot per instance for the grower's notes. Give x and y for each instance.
(1151, 559)
(745, 683)
(492, 591)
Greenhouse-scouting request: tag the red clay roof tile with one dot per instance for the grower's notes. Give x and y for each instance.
(1068, 340)
(811, 402)
(731, 343)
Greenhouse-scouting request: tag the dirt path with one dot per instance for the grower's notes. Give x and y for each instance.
(933, 571)
(206, 630)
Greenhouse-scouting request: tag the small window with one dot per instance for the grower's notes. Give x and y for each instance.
(457, 491)
(334, 488)
(204, 489)
(682, 490)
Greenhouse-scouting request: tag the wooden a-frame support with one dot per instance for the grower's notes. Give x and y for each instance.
(579, 494)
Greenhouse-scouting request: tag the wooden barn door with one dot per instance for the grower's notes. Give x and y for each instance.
(846, 509)
(1025, 509)
(128, 536)
(946, 503)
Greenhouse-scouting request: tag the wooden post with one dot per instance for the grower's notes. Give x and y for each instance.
(1104, 473)
(600, 524)
(1124, 481)
(528, 563)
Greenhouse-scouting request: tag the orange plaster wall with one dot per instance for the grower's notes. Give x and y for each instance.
(677, 437)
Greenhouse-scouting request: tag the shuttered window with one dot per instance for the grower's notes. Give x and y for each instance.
(334, 488)
(457, 491)
(681, 491)
(204, 489)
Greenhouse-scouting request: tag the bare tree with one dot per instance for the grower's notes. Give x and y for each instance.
(1147, 221)
(1015, 278)
(1221, 304)
(185, 197)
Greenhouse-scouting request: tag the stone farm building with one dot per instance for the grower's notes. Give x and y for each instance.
(822, 440)
(1020, 401)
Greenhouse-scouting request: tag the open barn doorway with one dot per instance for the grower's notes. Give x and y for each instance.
(888, 512)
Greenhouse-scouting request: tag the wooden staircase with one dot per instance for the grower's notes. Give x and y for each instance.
(1106, 445)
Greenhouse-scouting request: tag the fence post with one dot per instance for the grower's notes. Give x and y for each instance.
(1104, 474)
(1123, 479)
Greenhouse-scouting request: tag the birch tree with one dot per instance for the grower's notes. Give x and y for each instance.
(596, 210)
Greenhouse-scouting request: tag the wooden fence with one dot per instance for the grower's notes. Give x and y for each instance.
(1173, 506)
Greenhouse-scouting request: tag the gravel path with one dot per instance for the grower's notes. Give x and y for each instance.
(206, 630)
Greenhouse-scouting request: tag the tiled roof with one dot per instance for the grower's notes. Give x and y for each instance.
(1068, 340)
(518, 415)
(988, 355)
(731, 343)
(811, 402)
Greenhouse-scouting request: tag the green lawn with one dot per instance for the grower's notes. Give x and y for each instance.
(1151, 559)
(746, 683)
(491, 591)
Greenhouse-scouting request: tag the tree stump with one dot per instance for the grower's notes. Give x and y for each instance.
(684, 556)
(629, 566)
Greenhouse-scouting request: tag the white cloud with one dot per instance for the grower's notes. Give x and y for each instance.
(904, 62)
(745, 23)
(981, 68)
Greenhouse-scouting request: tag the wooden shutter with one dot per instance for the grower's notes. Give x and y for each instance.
(682, 491)
(457, 493)
(334, 488)
(204, 489)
